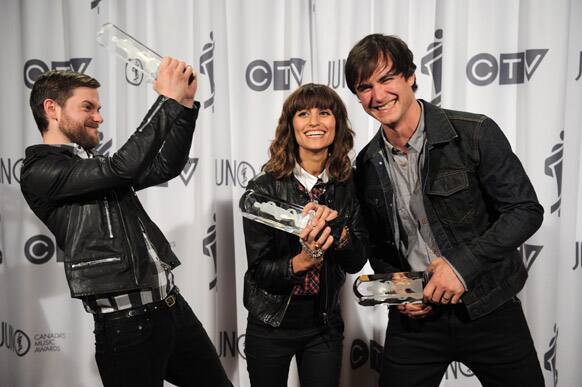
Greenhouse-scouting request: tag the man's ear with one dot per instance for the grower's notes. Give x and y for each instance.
(51, 109)
(411, 79)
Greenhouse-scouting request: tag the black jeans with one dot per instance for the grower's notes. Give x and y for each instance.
(145, 350)
(497, 347)
(318, 353)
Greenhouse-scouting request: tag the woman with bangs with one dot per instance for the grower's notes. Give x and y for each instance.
(292, 283)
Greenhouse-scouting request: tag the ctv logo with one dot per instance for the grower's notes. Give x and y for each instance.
(33, 68)
(261, 74)
(40, 249)
(362, 353)
(511, 68)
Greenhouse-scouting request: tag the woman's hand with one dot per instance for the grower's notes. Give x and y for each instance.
(315, 238)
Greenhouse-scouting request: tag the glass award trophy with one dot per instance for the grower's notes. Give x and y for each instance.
(130, 50)
(391, 289)
(273, 212)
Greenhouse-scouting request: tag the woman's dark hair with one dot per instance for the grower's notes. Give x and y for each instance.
(284, 150)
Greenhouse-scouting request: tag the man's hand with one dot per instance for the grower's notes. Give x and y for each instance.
(172, 81)
(444, 286)
(415, 310)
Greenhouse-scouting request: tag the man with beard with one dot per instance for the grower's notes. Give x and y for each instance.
(116, 259)
(441, 191)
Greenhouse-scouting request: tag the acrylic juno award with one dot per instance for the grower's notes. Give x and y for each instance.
(130, 50)
(391, 289)
(273, 212)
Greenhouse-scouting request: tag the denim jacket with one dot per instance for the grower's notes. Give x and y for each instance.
(480, 204)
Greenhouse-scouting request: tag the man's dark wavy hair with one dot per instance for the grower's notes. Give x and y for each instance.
(376, 49)
(58, 86)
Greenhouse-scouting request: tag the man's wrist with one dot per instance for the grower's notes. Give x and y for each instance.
(187, 102)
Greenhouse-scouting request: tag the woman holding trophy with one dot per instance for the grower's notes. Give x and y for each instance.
(293, 279)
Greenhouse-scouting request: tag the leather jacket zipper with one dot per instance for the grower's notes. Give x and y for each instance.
(326, 300)
(108, 217)
(131, 254)
(150, 245)
(285, 310)
(80, 265)
(149, 117)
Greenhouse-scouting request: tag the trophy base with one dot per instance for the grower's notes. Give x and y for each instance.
(391, 289)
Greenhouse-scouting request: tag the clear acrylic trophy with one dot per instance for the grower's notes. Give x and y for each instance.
(273, 212)
(130, 50)
(391, 289)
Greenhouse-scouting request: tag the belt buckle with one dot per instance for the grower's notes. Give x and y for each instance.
(170, 300)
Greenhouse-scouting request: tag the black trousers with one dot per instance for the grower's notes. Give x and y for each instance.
(498, 348)
(318, 353)
(145, 350)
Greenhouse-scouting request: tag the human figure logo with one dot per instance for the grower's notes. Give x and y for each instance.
(207, 68)
(578, 257)
(579, 68)
(95, 3)
(550, 356)
(432, 65)
(133, 75)
(209, 249)
(553, 168)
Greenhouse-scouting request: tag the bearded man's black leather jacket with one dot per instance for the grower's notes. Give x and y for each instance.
(91, 207)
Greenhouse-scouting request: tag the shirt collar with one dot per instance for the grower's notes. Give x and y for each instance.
(77, 149)
(307, 179)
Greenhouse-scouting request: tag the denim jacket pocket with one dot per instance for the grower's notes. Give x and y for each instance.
(450, 194)
(374, 197)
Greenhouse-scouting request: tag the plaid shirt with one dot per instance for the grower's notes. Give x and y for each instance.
(310, 285)
(115, 302)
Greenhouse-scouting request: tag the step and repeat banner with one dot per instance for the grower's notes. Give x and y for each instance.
(520, 62)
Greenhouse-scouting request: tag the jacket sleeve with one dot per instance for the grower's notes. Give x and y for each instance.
(267, 261)
(354, 256)
(173, 155)
(504, 180)
(58, 178)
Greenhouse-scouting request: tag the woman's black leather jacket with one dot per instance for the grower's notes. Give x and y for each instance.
(268, 281)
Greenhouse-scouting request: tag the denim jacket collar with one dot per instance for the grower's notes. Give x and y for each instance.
(438, 130)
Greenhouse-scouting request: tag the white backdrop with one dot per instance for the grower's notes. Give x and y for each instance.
(519, 62)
